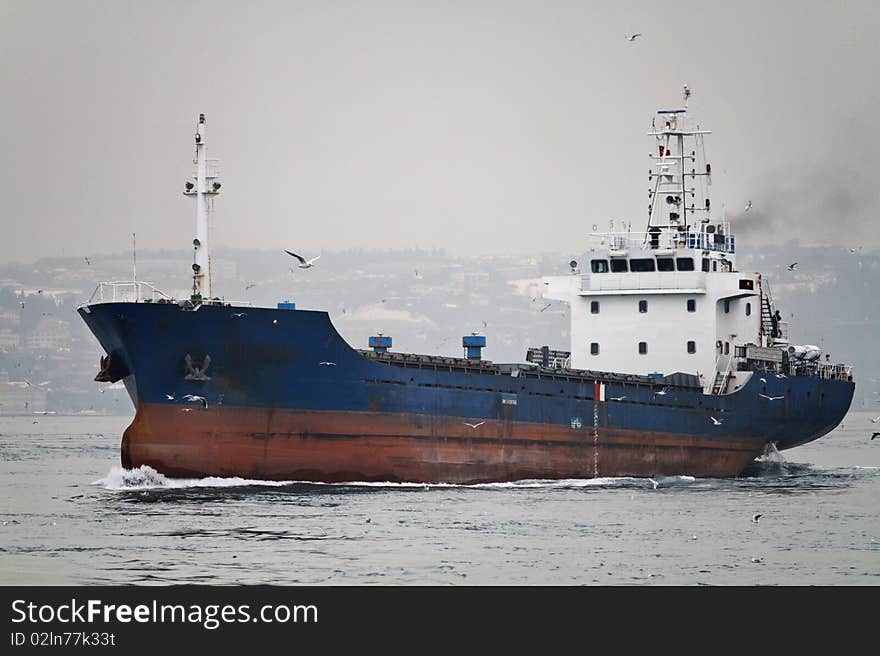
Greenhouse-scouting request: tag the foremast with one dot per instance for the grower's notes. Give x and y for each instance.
(204, 189)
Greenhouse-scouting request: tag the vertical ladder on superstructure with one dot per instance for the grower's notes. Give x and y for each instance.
(768, 307)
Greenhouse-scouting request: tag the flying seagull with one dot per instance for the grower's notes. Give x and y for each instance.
(328, 364)
(875, 420)
(756, 517)
(197, 399)
(763, 380)
(632, 37)
(748, 206)
(239, 315)
(170, 397)
(661, 392)
(546, 306)
(716, 422)
(618, 398)
(249, 286)
(875, 435)
(303, 262)
(87, 261)
(792, 266)
(771, 398)
(477, 425)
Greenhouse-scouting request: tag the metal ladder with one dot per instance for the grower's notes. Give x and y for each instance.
(719, 385)
(766, 312)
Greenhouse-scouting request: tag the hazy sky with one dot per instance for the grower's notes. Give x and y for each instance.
(481, 127)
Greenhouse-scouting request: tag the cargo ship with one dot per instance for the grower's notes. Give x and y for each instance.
(679, 364)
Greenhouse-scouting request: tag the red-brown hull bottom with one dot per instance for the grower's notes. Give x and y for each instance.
(274, 444)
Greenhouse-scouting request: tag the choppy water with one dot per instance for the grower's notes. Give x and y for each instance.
(70, 515)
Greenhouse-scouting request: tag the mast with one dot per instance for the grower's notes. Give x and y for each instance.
(134, 260)
(205, 188)
(684, 204)
(669, 196)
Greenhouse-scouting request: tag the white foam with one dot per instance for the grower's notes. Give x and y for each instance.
(561, 483)
(147, 478)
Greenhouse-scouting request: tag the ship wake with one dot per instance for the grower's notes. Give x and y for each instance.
(147, 478)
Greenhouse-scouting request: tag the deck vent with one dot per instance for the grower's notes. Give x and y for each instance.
(473, 344)
(380, 343)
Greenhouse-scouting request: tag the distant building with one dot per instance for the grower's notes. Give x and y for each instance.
(10, 318)
(8, 339)
(224, 269)
(20, 397)
(50, 334)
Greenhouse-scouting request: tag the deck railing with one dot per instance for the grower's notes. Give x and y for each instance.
(127, 291)
(824, 370)
(698, 237)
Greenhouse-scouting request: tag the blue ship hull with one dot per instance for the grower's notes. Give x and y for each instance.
(286, 398)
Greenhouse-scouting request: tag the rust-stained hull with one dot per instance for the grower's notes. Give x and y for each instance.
(357, 446)
(278, 394)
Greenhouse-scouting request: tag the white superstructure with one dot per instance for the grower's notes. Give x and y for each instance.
(670, 298)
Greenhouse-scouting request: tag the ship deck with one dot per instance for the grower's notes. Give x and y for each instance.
(527, 370)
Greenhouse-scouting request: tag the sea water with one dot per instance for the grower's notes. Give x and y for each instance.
(69, 514)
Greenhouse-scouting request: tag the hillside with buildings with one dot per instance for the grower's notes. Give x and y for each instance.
(426, 300)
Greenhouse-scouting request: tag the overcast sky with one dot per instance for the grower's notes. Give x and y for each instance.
(480, 127)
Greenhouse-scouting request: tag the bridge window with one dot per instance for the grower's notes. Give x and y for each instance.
(643, 306)
(643, 348)
(619, 266)
(594, 348)
(599, 266)
(691, 305)
(665, 264)
(726, 306)
(641, 265)
(706, 264)
(594, 307)
(748, 309)
(692, 347)
(726, 348)
(685, 263)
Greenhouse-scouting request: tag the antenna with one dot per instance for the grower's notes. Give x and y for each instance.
(134, 268)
